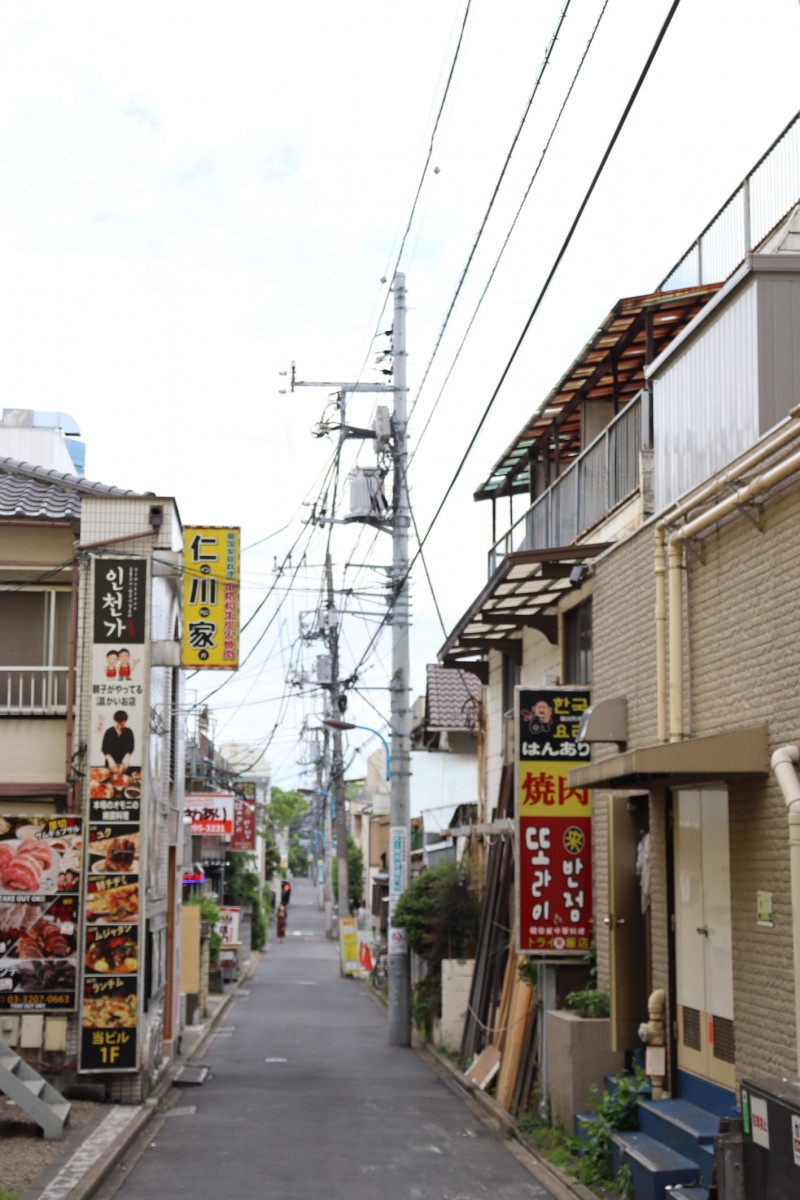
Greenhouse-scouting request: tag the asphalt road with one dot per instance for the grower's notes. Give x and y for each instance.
(305, 1098)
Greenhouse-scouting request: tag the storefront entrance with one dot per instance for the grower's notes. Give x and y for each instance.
(704, 963)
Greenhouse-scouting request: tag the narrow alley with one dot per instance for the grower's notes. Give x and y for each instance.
(305, 1097)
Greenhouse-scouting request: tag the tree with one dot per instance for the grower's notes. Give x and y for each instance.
(355, 869)
(440, 912)
(286, 810)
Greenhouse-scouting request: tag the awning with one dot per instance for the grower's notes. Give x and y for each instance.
(698, 760)
(523, 593)
(609, 368)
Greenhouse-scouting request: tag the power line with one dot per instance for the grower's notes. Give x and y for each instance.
(548, 51)
(529, 321)
(506, 240)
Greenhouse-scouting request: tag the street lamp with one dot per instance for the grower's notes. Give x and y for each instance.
(326, 853)
(335, 723)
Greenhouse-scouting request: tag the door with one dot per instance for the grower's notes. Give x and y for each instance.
(703, 948)
(627, 924)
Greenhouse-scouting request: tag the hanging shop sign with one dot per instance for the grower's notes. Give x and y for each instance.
(209, 812)
(113, 900)
(244, 819)
(40, 874)
(210, 597)
(554, 826)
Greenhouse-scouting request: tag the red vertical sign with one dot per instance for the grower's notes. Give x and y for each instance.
(244, 822)
(554, 825)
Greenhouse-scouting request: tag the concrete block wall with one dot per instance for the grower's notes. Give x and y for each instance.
(456, 983)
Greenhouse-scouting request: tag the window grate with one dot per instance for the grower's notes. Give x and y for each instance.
(724, 1042)
(691, 1028)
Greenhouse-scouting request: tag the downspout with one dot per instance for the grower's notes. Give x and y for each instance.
(660, 566)
(783, 763)
(675, 590)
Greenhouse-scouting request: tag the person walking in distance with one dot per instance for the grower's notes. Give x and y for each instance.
(280, 918)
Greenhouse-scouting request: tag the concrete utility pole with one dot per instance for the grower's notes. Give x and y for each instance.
(337, 763)
(399, 619)
(399, 810)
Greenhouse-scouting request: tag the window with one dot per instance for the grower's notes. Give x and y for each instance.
(578, 644)
(34, 650)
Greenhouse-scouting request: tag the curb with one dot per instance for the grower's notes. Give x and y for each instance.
(100, 1170)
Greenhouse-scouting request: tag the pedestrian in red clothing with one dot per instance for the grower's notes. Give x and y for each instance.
(281, 922)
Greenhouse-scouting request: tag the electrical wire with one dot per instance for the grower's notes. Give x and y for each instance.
(498, 184)
(400, 583)
(506, 240)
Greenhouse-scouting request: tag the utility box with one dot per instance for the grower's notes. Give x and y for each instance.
(771, 1120)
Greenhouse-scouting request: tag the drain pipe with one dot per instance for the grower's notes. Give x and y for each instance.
(784, 765)
(726, 480)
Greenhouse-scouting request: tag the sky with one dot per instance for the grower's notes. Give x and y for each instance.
(195, 195)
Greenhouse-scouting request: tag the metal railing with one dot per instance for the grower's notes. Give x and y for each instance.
(762, 199)
(600, 479)
(33, 691)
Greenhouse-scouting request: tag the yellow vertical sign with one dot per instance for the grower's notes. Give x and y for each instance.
(210, 597)
(349, 946)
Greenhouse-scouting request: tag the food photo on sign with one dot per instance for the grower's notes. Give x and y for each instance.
(40, 867)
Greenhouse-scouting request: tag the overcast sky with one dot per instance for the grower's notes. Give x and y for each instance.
(196, 194)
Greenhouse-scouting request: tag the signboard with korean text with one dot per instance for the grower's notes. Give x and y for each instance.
(209, 812)
(244, 819)
(40, 873)
(210, 597)
(554, 827)
(115, 809)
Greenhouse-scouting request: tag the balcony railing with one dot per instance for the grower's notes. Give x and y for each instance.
(760, 202)
(599, 480)
(33, 691)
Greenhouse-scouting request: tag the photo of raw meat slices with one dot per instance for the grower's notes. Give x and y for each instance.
(28, 866)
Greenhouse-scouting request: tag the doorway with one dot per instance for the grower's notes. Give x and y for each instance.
(703, 944)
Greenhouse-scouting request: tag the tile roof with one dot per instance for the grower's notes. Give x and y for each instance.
(29, 492)
(452, 698)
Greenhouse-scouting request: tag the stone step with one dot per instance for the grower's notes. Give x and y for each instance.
(653, 1165)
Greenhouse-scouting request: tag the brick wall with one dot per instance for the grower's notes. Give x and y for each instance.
(742, 654)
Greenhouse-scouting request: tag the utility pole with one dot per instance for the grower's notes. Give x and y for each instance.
(399, 619)
(399, 808)
(337, 763)
(327, 883)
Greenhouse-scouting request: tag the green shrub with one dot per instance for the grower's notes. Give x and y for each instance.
(615, 1111)
(589, 1003)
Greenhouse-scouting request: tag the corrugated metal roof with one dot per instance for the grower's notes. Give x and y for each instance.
(610, 367)
(452, 698)
(28, 492)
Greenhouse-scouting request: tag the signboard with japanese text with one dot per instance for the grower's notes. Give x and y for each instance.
(115, 808)
(349, 934)
(398, 878)
(40, 873)
(209, 812)
(228, 925)
(554, 827)
(210, 597)
(244, 821)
